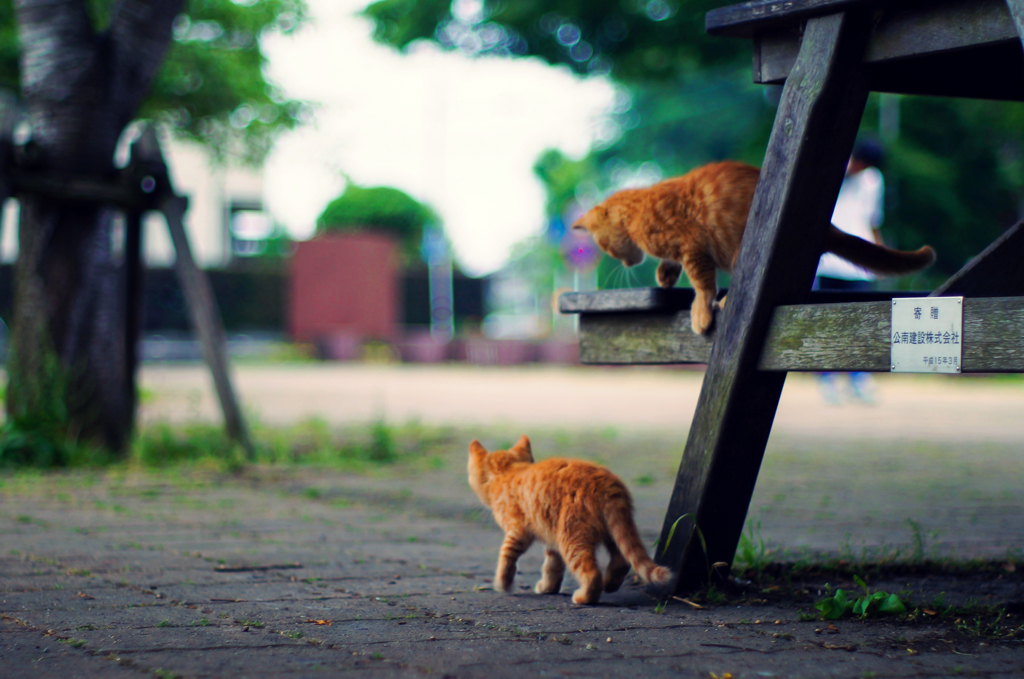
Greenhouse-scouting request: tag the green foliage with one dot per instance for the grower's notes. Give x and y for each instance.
(10, 48)
(868, 604)
(382, 443)
(378, 207)
(563, 177)
(633, 40)
(312, 442)
(751, 552)
(954, 177)
(211, 87)
(717, 114)
(161, 444)
(696, 529)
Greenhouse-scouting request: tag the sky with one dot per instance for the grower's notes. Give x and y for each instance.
(460, 134)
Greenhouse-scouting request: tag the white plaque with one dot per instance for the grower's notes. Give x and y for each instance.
(927, 334)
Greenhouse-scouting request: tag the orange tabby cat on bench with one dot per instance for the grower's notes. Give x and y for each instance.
(696, 222)
(570, 505)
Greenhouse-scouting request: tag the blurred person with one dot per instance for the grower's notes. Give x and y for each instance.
(859, 212)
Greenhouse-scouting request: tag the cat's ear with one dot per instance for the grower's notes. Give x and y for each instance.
(477, 468)
(523, 448)
(477, 453)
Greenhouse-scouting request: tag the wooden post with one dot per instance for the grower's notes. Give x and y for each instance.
(202, 309)
(1016, 8)
(134, 283)
(996, 272)
(814, 130)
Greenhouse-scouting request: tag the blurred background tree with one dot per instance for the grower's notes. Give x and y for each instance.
(83, 70)
(382, 208)
(955, 171)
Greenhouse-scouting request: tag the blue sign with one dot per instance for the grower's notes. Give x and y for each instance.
(434, 246)
(580, 251)
(555, 231)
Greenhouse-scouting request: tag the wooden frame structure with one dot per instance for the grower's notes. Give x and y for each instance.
(143, 185)
(829, 54)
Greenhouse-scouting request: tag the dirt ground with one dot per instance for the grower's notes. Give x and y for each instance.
(638, 399)
(292, 571)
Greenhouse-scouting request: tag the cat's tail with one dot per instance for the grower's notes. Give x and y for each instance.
(877, 258)
(618, 515)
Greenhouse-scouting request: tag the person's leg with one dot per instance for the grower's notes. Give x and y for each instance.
(861, 388)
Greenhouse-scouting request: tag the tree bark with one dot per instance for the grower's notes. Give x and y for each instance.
(80, 89)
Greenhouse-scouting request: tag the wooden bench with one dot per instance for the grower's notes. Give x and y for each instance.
(830, 54)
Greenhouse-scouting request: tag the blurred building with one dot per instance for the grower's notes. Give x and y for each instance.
(354, 293)
(225, 219)
(344, 287)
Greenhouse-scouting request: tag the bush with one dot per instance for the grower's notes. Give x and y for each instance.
(379, 207)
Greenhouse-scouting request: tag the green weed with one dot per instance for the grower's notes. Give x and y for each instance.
(40, 431)
(868, 604)
(751, 552)
(382, 442)
(162, 445)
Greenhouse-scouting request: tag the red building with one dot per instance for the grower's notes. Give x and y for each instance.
(345, 288)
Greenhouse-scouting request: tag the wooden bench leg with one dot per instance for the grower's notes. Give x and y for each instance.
(997, 272)
(814, 130)
(1016, 8)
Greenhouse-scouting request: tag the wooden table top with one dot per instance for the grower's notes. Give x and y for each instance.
(960, 48)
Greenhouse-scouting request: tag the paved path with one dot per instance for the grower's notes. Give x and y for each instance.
(309, 572)
(134, 575)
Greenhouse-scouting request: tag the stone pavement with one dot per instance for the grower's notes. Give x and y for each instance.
(311, 573)
(294, 571)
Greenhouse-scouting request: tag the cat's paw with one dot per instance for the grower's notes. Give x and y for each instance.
(668, 273)
(583, 597)
(545, 587)
(504, 584)
(701, 318)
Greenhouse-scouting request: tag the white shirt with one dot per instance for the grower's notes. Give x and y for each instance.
(858, 212)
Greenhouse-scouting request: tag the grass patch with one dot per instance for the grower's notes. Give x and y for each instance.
(309, 443)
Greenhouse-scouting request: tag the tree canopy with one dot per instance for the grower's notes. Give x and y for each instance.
(632, 40)
(211, 87)
(379, 207)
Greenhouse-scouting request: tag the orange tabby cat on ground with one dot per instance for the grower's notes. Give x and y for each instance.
(696, 222)
(570, 505)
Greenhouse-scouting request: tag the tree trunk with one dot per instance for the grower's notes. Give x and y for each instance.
(80, 89)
